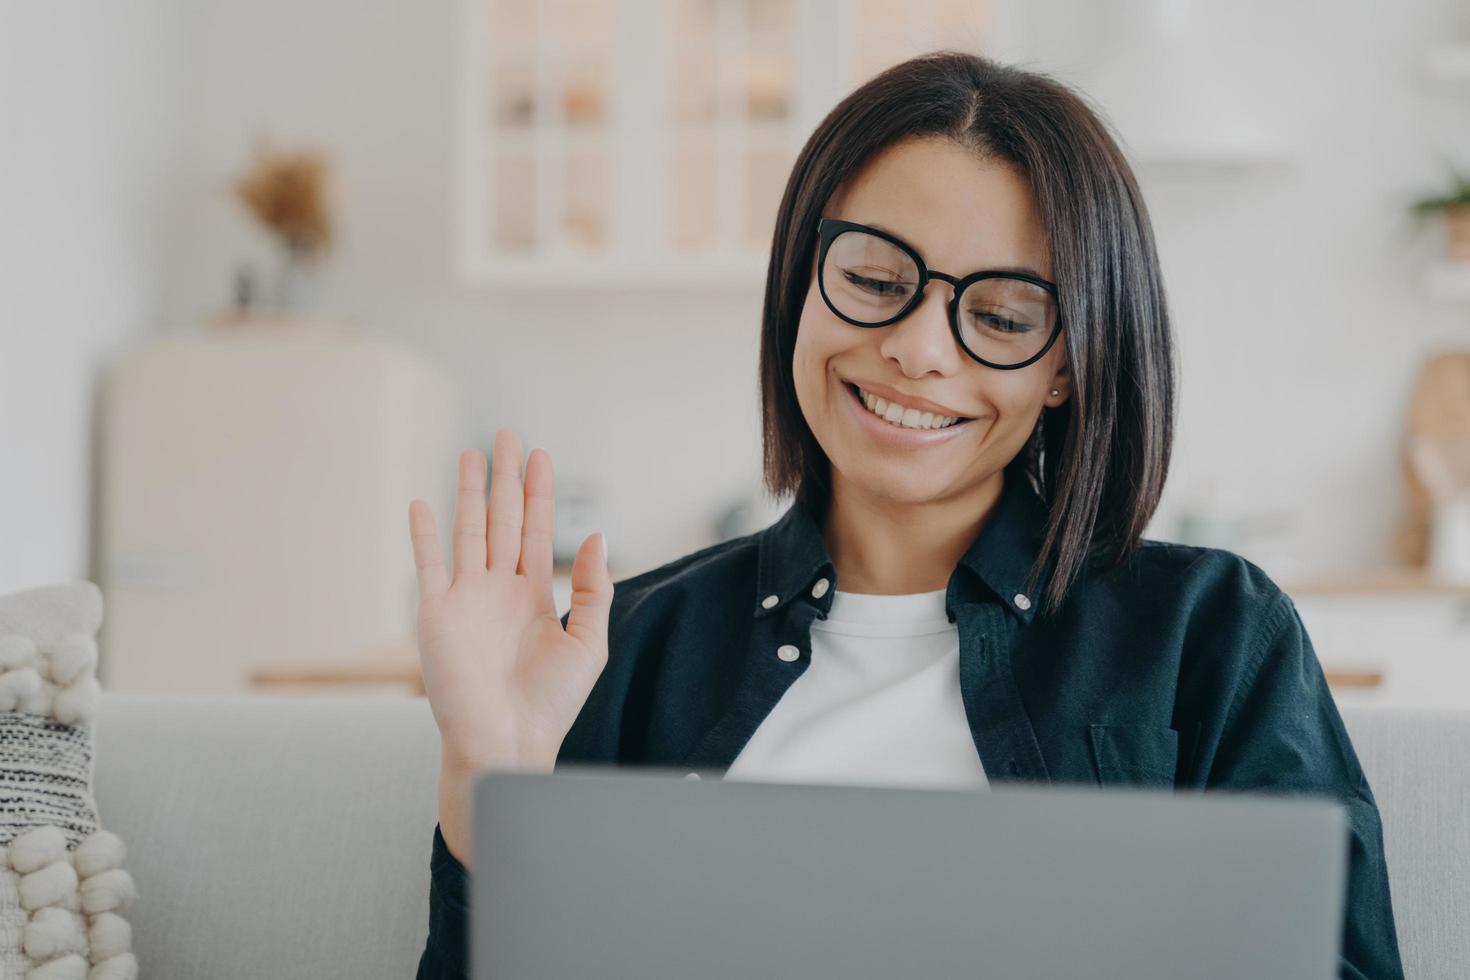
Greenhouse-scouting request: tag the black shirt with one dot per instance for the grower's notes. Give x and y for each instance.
(1184, 667)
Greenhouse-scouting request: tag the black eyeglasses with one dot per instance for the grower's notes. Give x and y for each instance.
(1003, 319)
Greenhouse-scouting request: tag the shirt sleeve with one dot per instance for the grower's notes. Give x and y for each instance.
(446, 954)
(1282, 732)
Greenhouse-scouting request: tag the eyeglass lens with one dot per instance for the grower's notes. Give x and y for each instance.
(1001, 319)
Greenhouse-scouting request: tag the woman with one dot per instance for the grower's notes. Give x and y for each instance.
(967, 384)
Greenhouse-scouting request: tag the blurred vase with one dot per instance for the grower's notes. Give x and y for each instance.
(299, 287)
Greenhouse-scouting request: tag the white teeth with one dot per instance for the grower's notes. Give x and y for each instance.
(910, 418)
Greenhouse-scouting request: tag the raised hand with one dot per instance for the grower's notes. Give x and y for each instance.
(505, 681)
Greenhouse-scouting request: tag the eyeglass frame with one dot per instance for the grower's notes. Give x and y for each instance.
(829, 228)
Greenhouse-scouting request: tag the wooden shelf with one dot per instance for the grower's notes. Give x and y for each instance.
(393, 678)
(406, 676)
(1392, 581)
(389, 666)
(1359, 679)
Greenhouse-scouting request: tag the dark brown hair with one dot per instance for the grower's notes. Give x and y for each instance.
(1099, 460)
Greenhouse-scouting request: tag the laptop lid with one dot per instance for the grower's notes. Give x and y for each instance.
(621, 872)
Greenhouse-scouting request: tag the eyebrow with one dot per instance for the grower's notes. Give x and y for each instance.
(1024, 269)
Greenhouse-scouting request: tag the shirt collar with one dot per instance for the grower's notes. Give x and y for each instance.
(793, 558)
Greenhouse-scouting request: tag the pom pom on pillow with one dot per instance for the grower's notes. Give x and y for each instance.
(72, 655)
(110, 935)
(18, 685)
(101, 852)
(123, 966)
(53, 932)
(48, 886)
(35, 849)
(69, 967)
(107, 891)
(17, 650)
(61, 877)
(76, 703)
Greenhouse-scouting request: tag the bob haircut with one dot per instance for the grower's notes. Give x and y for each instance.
(1098, 460)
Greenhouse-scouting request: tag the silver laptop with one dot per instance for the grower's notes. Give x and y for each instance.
(615, 873)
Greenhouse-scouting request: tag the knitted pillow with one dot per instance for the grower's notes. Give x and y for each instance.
(62, 883)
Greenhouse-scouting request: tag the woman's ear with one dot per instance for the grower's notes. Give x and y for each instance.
(1060, 388)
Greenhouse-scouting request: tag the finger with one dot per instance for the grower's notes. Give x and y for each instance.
(536, 536)
(469, 513)
(507, 501)
(427, 559)
(592, 593)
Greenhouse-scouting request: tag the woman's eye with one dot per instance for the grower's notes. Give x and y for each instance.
(997, 322)
(880, 287)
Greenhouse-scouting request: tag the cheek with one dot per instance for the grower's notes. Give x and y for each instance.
(818, 338)
(1016, 403)
(807, 367)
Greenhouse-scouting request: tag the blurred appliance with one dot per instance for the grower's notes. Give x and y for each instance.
(1434, 526)
(253, 497)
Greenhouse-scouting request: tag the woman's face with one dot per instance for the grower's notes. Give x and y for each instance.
(961, 213)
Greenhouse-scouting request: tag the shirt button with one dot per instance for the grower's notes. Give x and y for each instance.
(1022, 602)
(770, 601)
(788, 653)
(820, 589)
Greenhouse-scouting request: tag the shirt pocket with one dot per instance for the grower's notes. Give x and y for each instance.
(1134, 754)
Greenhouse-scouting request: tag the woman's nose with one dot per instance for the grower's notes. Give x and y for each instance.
(923, 339)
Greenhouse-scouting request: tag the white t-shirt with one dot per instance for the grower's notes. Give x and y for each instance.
(879, 703)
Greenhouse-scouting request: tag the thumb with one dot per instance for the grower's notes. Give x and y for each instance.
(592, 592)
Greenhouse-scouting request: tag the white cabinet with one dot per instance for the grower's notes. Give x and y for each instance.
(629, 142)
(253, 500)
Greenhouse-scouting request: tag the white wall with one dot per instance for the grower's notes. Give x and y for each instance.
(653, 395)
(1297, 290)
(88, 119)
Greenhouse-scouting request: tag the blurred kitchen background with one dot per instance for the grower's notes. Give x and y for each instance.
(269, 266)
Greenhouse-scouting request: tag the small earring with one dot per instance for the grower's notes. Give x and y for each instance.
(1054, 392)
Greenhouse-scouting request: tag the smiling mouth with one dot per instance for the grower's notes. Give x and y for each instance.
(858, 395)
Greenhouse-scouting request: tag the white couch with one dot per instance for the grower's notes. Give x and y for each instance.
(285, 836)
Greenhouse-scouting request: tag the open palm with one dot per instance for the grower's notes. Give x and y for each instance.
(505, 681)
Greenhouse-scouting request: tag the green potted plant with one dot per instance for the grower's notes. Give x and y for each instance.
(1453, 205)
